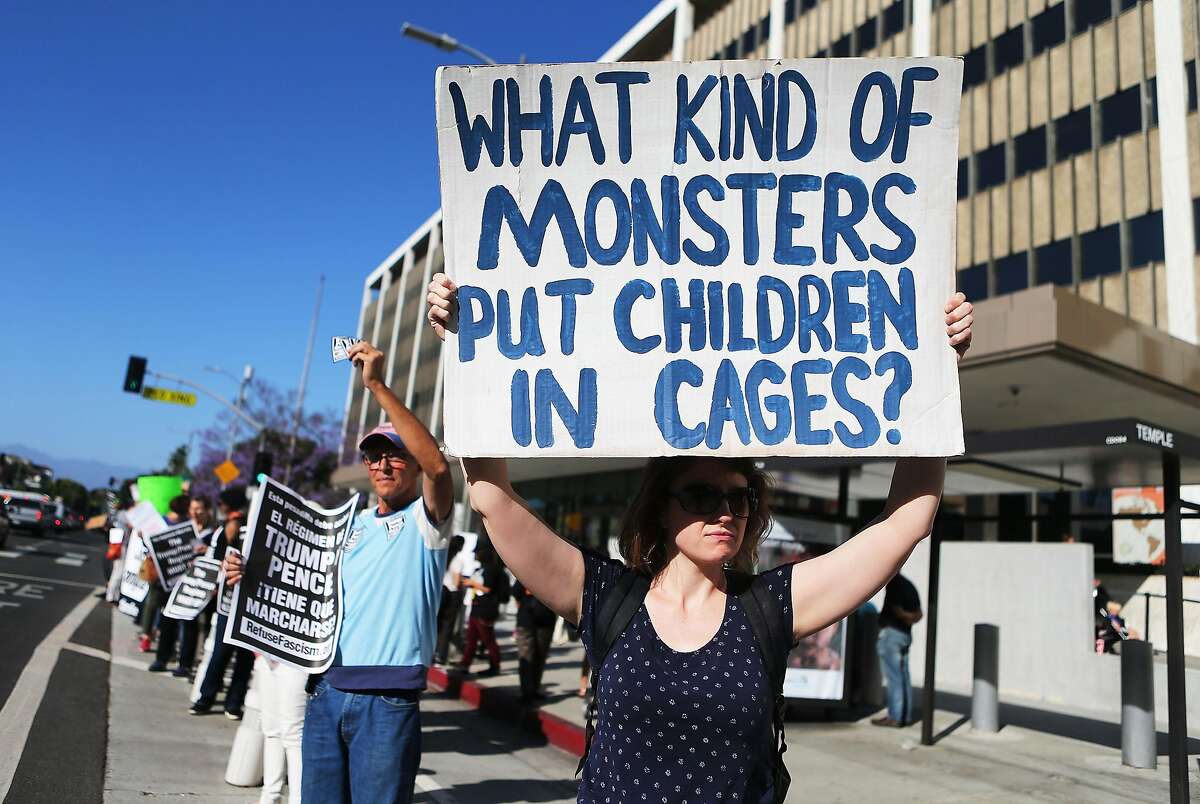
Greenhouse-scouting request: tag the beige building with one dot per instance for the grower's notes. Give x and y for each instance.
(1073, 112)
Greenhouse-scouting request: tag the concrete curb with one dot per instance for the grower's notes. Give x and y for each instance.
(503, 705)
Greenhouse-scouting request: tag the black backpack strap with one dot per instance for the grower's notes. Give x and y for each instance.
(770, 631)
(616, 610)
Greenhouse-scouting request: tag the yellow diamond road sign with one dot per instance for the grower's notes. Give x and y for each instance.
(167, 395)
(226, 472)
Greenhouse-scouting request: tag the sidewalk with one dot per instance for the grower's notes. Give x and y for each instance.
(155, 748)
(849, 760)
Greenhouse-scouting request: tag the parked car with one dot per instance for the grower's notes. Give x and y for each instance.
(26, 510)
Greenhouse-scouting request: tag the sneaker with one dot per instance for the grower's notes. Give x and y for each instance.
(157, 667)
(199, 708)
(144, 643)
(233, 714)
(494, 670)
(181, 672)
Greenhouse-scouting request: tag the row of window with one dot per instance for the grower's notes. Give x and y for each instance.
(1008, 50)
(1099, 255)
(1047, 29)
(860, 40)
(1119, 115)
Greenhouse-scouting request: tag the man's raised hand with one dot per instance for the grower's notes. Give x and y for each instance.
(372, 362)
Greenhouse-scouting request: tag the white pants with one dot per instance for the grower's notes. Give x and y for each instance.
(281, 701)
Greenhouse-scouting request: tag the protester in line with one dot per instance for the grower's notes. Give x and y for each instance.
(156, 596)
(687, 657)
(281, 702)
(450, 610)
(535, 628)
(901, 611)
(185, 631)
(492, 590)
(116, 552)
(362, 728)
(231, 503)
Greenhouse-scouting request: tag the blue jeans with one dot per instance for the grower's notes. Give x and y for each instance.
(361, 747)
(892, 648)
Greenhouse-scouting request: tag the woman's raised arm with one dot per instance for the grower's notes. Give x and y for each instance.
(548, 566)
(827, 588)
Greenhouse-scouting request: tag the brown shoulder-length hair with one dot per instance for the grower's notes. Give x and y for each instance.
(645, 545)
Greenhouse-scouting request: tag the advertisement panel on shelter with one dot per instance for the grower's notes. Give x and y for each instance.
(1142, 541)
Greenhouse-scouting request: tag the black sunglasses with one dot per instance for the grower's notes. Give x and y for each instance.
(375, 458)
(703, 499)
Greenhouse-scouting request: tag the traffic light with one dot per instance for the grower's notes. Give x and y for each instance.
(263, 463)
(135, 374)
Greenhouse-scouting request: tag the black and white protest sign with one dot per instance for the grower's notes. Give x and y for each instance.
(194, 590)
(288, 603)
(171, 550)
(719, 257)
(225, 597)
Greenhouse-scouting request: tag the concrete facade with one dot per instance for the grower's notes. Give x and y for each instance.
(1040, 597)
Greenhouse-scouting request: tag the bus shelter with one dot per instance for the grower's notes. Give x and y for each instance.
(1098, 454)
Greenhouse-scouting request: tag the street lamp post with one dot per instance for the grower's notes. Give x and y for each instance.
(247, 375)
(443, 42)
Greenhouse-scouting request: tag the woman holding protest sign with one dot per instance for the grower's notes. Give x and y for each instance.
(687, 646)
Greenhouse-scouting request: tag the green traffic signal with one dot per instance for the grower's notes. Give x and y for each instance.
(135, 374)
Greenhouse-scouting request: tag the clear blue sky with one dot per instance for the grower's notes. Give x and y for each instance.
(174, 177)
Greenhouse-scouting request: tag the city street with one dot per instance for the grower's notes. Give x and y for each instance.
(69, 661)
(60, 641)
(55, 633)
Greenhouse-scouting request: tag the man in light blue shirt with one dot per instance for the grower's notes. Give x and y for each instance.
(362, 726)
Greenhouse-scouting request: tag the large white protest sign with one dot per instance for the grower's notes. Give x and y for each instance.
(745, 257)
(195, 589)
(288, 604)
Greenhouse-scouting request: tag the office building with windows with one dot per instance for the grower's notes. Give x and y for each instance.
(1079, 165)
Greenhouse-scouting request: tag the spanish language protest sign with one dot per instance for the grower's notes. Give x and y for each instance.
(288, 604)
(172, 553)
(735, 258)
(197, 586)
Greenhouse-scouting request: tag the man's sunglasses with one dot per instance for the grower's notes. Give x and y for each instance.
(703, 499)
(373, 459)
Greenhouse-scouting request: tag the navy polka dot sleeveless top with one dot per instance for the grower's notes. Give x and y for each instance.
(677, 727)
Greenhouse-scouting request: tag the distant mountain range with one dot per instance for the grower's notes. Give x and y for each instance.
(90, 473)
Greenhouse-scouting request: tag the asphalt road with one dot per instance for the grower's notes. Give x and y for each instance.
(54, 638)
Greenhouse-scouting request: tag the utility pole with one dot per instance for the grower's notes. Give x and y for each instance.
(312, 334)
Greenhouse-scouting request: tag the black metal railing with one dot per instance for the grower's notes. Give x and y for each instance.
(1146, 599)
